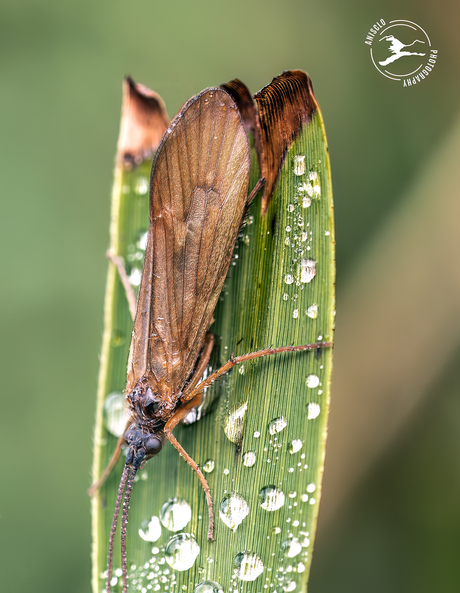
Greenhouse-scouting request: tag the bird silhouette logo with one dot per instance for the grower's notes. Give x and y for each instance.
(397, 49)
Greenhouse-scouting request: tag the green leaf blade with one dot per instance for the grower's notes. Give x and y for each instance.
(258, 308)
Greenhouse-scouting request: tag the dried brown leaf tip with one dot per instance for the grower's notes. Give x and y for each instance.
(143, 123)
(284, 106)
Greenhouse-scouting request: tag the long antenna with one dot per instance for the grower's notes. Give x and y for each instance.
(124, 523)
(113, 529)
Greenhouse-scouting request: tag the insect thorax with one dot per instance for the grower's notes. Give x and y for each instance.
(148, 409)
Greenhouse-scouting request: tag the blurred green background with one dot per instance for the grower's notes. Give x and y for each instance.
(390, 518)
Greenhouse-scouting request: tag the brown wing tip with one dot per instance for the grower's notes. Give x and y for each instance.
(247, 108)
(285, 106)
(242, 97)
(143, 122)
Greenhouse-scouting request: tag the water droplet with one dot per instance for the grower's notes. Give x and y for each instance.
(304, 236)
(175, 514)
(249, 566)
(312, 311)
(143, 241)
(150, 529)
(313, 410)
(307, 270)
(277, 425)
(292, 547)
(135, 277)
(299, 164)
(276, 530)
(295, 313)
(241, 369)
(306, 202)
(226, 471)
(312, 381)
(271, 498)
(285, 296)
(142, 186)
(256, 434)
(288, 229)
(249, 458)
(295, 446)
(311, 487)
(292, 494)
(235, 424)
(233, 510)
(208, 587)
(181, 551)
(115, 416)
(208, 466)
(289, 278)
(289, 586)
(314, 180)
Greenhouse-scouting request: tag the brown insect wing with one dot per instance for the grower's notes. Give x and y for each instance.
(198, 197)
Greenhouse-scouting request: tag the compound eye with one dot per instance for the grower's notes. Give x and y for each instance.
(153, 445)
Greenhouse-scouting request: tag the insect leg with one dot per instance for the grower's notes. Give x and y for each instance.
(250, 356)
(113, 461)
(258, 186)
(172, 422)
(119, 262)
(204, 359)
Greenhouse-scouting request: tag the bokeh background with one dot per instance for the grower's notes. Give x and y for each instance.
(390, 518)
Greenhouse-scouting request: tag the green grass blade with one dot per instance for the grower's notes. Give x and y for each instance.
(263, 437)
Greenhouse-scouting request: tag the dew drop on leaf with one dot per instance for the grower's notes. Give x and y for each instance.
(277, 425)
(249, 458)
(312, 311)
(313, 410)
(233, 510)
(175, 514)
(271, 498)
(235, 424)
(249, 566)
(209, 465)
(312, 381)
(292, 547)
(299, 164)
(295, 446)
(115, 416)
(181, 551)
(307, 270)
(150, 529)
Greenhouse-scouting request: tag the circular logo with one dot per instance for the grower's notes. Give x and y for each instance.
(401, 50)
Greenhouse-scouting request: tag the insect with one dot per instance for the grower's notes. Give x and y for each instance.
(198, 200)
